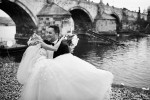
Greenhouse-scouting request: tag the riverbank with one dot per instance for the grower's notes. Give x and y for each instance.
(10, 88)
(120, 92)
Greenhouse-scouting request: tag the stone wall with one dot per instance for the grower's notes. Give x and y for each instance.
(106, 26)
(65, 24)
(89, 7)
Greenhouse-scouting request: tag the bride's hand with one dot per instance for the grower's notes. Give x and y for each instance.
(63, 37)
(40, 41)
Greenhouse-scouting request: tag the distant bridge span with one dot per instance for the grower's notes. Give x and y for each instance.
(84, 13)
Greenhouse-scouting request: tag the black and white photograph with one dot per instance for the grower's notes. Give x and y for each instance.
(74, 50)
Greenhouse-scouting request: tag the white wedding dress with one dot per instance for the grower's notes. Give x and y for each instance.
(66, 77)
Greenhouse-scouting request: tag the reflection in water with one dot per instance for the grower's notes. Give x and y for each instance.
(129, 64)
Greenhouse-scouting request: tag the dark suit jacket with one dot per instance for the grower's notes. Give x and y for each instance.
(63, 48)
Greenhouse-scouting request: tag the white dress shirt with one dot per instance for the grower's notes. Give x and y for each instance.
(51, 53)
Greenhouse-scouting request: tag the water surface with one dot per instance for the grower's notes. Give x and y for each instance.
(130, 64)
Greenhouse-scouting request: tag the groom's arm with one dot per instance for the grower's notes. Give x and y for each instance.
(65, 47)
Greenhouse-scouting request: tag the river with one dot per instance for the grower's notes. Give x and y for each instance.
(130, 63)
(7, 33)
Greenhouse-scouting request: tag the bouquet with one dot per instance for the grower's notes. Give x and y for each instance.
(34, 39)
(72, 41)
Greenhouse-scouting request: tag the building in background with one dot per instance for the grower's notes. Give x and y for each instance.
(52, 14)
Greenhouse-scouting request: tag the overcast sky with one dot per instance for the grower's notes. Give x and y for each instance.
(132, 5)
(3, 14)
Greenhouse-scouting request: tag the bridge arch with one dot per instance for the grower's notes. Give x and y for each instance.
(24, 19)
(118, 22)
(81, 8)
(82, 18)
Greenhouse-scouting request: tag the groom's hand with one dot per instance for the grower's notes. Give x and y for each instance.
(62, 37)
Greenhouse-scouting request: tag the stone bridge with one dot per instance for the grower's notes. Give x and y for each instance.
(85, 14)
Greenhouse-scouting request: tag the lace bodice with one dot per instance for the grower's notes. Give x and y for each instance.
(33, 41)
(46, 53)
(43, 52)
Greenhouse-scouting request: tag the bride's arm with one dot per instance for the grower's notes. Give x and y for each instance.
(50, 47)
(34, 40)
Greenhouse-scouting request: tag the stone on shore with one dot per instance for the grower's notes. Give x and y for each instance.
(10, 88)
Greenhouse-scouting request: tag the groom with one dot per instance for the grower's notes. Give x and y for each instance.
(53, 33)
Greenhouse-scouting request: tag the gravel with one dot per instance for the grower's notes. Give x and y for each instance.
(10, 88)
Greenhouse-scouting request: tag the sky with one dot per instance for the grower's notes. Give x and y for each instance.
(132, 5)
(3, 14)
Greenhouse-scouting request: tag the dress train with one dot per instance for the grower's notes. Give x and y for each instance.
(66, 77)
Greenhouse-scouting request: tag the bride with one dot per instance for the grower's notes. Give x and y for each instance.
(65, 77)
